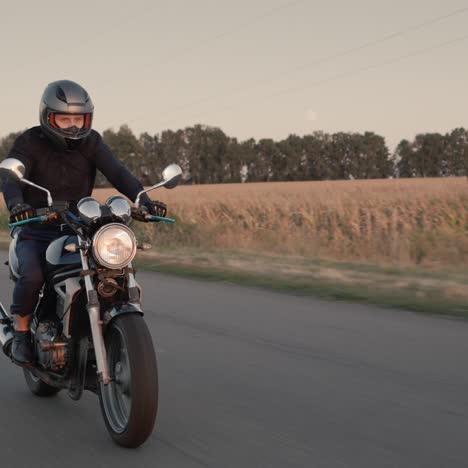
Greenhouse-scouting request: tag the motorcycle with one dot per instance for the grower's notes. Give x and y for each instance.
(88, 329)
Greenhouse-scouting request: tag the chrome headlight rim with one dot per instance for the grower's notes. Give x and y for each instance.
(95, 249)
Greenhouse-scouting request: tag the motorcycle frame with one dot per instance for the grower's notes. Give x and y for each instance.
(66, 291)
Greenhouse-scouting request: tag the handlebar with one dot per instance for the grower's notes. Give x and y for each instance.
(36, 219)
(27, 221)
(54, 216)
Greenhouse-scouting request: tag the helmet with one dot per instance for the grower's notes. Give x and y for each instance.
(65, 97)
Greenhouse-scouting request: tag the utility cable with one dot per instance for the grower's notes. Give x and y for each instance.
(348, 73)
(237, 28)
(320, 61)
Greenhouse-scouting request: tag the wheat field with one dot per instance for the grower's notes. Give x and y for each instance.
(391, 221)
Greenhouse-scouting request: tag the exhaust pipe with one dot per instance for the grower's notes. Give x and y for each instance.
(6, 330)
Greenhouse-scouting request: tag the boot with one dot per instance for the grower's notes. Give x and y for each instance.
(22, 349)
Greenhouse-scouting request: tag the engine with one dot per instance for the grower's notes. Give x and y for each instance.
(51, 346)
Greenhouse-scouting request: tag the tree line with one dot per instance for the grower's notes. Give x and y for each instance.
(207, 155)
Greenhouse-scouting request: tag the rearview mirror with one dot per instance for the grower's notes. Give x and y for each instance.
(15, 169)
(12, 167)
(171, 175)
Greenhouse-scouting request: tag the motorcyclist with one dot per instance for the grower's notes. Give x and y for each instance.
(61, 155)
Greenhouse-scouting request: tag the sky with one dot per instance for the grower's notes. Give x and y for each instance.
(255, 68)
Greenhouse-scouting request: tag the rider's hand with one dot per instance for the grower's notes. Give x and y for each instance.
(154, 208)
(21, 211)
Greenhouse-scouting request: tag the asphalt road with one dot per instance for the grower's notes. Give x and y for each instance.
(257, 379)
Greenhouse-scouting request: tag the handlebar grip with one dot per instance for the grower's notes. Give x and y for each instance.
(160, 218)
(27, 221)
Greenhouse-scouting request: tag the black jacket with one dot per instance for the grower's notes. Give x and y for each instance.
(68, 174)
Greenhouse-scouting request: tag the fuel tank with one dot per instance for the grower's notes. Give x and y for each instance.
(59, 259)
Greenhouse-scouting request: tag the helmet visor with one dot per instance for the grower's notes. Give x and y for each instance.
(72, 126)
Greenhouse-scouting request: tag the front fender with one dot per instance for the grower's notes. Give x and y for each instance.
(127, 308)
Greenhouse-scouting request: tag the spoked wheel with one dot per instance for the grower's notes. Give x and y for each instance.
(129, 403)
(37, 386)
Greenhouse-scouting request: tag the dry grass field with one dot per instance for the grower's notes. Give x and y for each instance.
(393, 222)
(397, 222)
(394, 242)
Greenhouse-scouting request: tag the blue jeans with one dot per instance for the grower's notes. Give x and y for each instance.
(30, 250)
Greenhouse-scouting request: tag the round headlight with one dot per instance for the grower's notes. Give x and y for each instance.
(114, 246)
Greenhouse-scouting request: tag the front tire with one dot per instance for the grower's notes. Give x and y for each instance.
(37, 386)
(129, 403)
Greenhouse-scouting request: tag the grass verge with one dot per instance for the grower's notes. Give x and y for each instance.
(429, 292)
(436, 291)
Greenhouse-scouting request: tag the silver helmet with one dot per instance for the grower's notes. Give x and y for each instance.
(65, 97)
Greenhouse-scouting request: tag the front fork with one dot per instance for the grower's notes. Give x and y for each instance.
(94, 312)
(97, 325)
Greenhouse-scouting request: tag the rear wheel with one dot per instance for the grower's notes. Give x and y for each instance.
(129, 403)
(37, 386)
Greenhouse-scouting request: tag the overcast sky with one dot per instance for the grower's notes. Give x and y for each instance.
(255, 68)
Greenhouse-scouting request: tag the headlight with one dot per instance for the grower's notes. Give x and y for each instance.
(114, 246)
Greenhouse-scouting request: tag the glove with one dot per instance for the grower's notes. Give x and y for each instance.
(150, 207)
(156, 208)
(20, 212)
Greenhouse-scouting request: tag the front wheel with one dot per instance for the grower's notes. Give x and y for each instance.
(129, 403)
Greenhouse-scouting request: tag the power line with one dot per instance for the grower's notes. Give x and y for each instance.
(239, 27)
(386, 38)
(372, 67)
(322, 60)
(253, 20)
(350, 73)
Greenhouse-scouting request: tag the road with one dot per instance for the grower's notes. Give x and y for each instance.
(251, 378)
